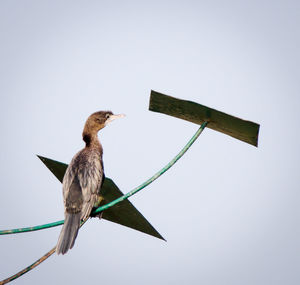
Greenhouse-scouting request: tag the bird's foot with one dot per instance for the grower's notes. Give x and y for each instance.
(96, 205)
(98, 215)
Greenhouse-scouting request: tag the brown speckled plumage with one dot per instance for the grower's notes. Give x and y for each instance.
(83, 180)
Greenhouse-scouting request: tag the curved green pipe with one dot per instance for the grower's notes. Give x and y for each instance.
(102, 208)
(125, 196)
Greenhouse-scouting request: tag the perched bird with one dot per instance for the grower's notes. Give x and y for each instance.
(83, 180)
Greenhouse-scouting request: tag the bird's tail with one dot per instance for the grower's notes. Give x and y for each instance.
(68, 233)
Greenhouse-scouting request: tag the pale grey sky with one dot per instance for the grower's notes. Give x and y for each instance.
(229, 211)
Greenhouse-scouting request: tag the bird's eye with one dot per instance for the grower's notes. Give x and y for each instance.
(107, 116)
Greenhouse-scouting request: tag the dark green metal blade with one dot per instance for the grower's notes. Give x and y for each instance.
(235, 127)
(123, 213)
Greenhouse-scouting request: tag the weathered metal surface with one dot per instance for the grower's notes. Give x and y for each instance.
(235, 127)
(123, 213)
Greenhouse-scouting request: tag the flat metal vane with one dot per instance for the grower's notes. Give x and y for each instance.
(243, 130)
(123, 213)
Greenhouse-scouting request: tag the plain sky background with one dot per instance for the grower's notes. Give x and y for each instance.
(229, 211)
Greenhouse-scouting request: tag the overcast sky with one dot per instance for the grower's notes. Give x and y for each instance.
(229, 211)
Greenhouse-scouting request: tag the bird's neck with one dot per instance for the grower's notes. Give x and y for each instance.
(91, 140)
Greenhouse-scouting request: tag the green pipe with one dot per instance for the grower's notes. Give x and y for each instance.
(102, 208)
(126, 196)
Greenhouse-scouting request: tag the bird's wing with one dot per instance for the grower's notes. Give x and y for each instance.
(82, 182)
(90, 179)
(72, 192)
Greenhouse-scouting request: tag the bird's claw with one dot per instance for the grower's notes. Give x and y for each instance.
(98, 215)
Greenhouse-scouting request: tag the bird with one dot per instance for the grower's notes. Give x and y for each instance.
(83, 180)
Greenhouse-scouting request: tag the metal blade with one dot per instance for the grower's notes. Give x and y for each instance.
(123, 213)
(235, 127)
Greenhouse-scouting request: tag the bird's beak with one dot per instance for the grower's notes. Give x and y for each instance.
(113, 117)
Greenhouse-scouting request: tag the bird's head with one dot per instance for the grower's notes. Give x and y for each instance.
(96, 122)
